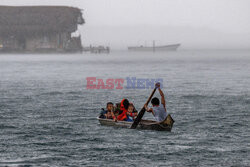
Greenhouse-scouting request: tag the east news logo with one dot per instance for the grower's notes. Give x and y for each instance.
(120, 83)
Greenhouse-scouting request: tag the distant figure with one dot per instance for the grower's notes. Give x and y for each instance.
(107, 49)
(158, 110)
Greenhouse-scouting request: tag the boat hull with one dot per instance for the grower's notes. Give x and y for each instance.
(173, 47)
(165, 125)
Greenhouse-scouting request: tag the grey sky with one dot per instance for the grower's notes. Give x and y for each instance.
(166, 21)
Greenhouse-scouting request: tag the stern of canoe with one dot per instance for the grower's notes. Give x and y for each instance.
(165, 125)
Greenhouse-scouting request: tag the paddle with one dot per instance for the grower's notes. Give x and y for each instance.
(141, 113)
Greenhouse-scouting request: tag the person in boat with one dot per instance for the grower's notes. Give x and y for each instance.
(159, 109)
(108, 113)
(132, 113)
(123, 113)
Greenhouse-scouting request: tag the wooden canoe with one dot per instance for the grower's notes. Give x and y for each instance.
(165, 125)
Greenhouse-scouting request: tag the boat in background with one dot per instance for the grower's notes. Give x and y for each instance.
(172, 47)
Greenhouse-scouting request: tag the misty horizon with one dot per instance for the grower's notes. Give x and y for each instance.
(120, 37)
(196, 24)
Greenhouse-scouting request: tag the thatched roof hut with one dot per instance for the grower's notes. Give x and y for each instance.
(38, 19)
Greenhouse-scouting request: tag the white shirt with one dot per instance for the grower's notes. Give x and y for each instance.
(159, 113)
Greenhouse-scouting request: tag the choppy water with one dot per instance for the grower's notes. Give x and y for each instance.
(48, 117)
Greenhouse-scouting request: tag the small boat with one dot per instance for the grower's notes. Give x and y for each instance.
(172, 47)
(165, 125)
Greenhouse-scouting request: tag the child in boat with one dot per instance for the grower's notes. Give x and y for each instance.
(158, 110)
(123, 110)
(132, 113)
(108, 113)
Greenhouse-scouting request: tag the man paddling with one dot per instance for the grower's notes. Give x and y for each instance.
(158, 110)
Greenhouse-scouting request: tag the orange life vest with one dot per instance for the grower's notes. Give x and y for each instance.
(123, 115)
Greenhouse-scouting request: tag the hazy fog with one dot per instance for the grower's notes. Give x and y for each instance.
(193, 23)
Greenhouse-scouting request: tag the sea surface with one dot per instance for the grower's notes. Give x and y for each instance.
(48, 116)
